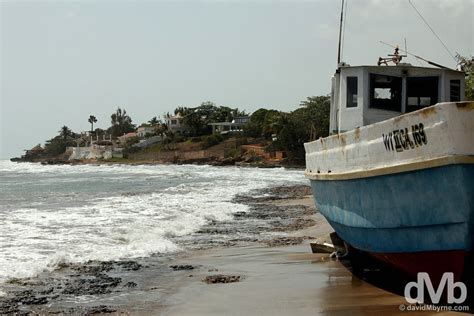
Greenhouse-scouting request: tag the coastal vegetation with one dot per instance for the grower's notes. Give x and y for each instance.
(269, 129)
(467, 65)
(289, 131)
(92, 119)
(58, 144)
(197, 119)
(121, 123)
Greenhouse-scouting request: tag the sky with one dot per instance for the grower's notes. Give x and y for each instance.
(61, 61)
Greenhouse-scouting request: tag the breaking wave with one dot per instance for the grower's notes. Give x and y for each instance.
(55, 214)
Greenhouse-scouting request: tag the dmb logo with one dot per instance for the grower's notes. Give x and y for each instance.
(424, 281)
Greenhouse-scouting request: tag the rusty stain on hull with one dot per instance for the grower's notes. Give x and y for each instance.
(426, 112)
(357, 134)
(342, 139)
(465, 105)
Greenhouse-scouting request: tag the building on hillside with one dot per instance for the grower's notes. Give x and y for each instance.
(145, 130)
(241, 119)
(94, 152)
(175, 123)
(124, 138)
(235, 126)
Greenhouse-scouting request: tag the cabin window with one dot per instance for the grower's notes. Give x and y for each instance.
(421, 92)
(455, 90)
(351, 97)
(386, 92)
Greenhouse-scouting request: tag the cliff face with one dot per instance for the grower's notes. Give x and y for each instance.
(228, 152)
(42, 157)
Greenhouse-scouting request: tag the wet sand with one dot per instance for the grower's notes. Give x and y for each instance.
(288, 280)
(278, 281)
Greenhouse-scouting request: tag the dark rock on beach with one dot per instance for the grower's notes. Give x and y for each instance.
(181, 267)
(130, 284)
(284, 241)
(221, 278)
(129, 265)
(99, 284)
(276, 193)
(69, 280)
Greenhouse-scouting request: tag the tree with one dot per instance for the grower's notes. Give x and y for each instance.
(273, 123)
(304, 124)
(121, 123)
(264, 123)
(466, 64)
(317, 109)
(92, 119)
(221, 114)
(161, 129)
(57, 145)
(154, 121)
(197, 119)
(65, 132)
(169, 139)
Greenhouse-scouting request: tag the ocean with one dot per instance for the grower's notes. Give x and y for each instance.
(57, 214)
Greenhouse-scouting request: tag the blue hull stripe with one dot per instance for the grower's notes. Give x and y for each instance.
(424, 210)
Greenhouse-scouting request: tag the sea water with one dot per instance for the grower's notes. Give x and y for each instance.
(52, 214)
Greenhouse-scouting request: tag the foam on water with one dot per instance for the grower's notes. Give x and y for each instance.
(55, 214)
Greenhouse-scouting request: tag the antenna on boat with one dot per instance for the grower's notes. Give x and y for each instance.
(418, 57)
(340, 35)
(395, 58)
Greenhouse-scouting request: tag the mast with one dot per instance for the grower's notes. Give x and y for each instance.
(340, 35)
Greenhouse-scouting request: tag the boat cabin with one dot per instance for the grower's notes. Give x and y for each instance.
(364, 95)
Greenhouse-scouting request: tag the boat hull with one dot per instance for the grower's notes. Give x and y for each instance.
(407, 218)
(406, 198)
(424, 210)
(435, 263)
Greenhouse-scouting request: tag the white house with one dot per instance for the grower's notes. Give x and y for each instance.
(236, 125)
(174, 123)
(143, 130)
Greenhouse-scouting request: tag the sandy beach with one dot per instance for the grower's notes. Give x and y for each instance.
(287, 280)
(279, 276)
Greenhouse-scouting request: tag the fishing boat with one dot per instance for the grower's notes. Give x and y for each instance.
(396, 177)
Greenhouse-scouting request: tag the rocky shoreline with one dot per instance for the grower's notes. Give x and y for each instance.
(108, 286)
(218, 162)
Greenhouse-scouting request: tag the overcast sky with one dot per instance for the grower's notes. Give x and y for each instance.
(64, 60)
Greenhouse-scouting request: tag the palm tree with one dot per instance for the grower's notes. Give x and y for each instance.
(154, 121)
(92, 119)
(161, 130)
(169, 138)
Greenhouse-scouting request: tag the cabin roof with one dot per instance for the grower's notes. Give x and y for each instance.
(401, 66)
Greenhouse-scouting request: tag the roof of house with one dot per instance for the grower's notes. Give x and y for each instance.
(128, 135)
(227, 124)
